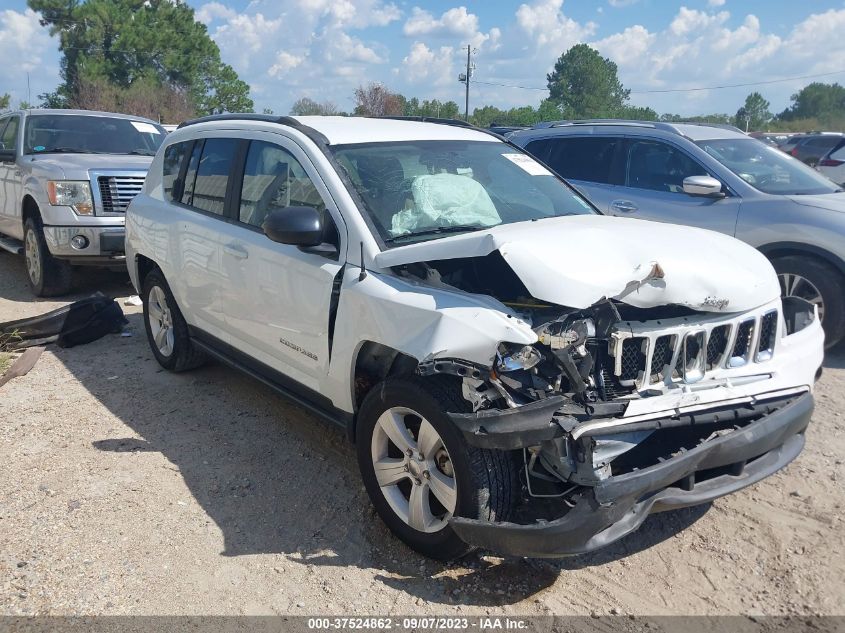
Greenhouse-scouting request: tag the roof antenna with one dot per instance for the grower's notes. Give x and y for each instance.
(363, 274)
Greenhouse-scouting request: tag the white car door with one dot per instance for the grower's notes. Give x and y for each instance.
(199, 281)
(280, 310)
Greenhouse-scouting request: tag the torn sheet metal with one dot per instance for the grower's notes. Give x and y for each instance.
(578, 260)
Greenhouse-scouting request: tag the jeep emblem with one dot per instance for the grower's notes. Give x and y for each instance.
(715, 302)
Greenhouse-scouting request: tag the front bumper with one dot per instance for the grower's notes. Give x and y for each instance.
(105, 242)
(618, 505)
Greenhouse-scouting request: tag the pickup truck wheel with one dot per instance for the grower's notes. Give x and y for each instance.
(820, 284)
(419, 471)
(167, 331)
(48, 276)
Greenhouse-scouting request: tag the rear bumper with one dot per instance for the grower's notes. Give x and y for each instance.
(104, 242)
(619, 505)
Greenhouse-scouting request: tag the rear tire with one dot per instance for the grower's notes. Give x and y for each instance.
(483, 483)
(167, 331)
(815, 280)
(48, 276)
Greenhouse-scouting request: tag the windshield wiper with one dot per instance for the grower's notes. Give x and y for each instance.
(67, 150)
(438, 230)
(141, 152)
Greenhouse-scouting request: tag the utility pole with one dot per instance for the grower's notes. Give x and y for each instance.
(469, 74)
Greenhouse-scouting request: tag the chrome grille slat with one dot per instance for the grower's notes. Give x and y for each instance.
(683, 351)
(116, 192)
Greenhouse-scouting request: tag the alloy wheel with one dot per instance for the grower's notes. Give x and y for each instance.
(160, 320)
(792, 285)
(413, 469)
(33, 258)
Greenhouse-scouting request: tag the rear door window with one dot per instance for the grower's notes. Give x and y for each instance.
(174, 157)
(191, 173)
(212, 178)
(587, 158)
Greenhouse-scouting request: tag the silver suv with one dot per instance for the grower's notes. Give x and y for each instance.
(716, 178)
(67, 178)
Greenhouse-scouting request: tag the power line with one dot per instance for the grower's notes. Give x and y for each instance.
(752, 83)
(699, 89)
(490, 83)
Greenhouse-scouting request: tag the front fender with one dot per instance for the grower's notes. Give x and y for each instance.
(418, 320)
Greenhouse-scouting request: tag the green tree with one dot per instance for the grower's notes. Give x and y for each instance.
(754, 115)
(5, 99)
(124, 41)
(585, 85)
(816, 101)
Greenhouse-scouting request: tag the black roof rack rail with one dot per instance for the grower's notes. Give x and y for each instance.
(288, 121)
(440, 121)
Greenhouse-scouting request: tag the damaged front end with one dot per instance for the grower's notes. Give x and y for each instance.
(617, 411)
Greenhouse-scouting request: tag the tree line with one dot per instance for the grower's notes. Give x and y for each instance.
(585, 85)
(153, 58)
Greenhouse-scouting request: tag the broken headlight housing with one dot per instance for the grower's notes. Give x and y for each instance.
(514, 357)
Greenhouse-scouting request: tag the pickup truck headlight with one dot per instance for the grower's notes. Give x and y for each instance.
(75, 194)
(513, 358)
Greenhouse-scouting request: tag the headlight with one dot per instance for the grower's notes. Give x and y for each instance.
(71, 193)
(511, 358)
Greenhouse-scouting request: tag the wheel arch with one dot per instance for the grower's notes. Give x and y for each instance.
(29, 209)
(786, 249)
(374, 362)
(143, 266)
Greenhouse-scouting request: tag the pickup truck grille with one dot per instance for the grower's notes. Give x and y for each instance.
(116, 192)
(649, 353)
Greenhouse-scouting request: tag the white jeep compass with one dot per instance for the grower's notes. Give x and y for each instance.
(517, 371)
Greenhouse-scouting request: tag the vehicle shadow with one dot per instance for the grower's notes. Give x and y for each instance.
(276, 480)
(86, 281)
(835, 358)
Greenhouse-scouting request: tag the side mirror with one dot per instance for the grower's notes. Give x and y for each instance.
(298, 226)
(7, 156)
(704, 186)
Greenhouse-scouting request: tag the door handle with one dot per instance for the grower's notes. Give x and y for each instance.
(236, 251)
(625, 206)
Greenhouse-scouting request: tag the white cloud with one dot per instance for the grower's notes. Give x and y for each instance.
(285, 62)
(715, 3)
(701, 48)
(207, 13)
(621, 3)
(26, 47)
(544, 21)
(424, 64)
(454, 24)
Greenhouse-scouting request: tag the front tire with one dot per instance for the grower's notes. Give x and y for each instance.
(167, 331)
(419, 471)
(820, 284)
(48, 276)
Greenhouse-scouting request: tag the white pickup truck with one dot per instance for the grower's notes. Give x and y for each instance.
(67, 177)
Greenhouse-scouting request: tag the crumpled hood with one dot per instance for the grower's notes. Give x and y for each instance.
(77, 165)
(828, 201)
(578, 260)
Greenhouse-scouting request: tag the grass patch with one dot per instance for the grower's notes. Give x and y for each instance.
(5, 363)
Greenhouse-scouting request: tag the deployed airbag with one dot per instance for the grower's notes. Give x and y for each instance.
(446, 200)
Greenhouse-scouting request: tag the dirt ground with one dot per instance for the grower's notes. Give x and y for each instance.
(128, 490)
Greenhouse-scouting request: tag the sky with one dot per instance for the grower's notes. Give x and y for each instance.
(324, 49)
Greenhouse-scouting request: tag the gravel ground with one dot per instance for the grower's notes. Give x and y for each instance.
(128, 490)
